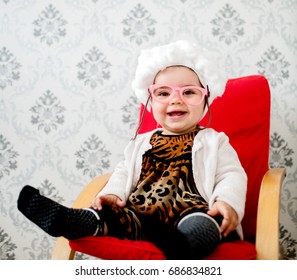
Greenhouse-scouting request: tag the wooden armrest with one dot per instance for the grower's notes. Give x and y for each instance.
(267, 233)
(90, 191)
(62, 250)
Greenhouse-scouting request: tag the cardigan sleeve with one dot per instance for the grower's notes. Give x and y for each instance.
(230, 177)
(117, 182)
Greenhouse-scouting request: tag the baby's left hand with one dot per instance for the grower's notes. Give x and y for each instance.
(230, 218)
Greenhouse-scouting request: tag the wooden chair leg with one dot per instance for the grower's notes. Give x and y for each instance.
(62, 250)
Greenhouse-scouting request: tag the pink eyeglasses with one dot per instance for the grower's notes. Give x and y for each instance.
(192, 95)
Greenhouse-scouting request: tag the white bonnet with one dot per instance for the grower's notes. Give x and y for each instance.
(151, 61)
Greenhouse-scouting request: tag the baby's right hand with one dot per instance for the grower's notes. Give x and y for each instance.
(109, 199)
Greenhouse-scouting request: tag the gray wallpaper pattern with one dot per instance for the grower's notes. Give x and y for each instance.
(66, 105)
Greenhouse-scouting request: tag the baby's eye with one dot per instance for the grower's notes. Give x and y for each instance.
(162, 93)
(189, 92)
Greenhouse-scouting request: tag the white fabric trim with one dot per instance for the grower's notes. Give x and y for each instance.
(98, 218)
(94, 212)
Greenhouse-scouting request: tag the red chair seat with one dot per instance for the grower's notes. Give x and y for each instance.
(121, 249)
(235, 250)
(142, 250)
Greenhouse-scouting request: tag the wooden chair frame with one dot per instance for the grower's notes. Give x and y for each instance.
(267, 231)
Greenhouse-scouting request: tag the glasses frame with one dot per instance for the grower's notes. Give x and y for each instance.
(180, 91)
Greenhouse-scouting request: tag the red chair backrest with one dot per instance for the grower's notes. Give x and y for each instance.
(243, 113)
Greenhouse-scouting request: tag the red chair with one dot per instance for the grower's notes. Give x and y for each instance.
(243, 113)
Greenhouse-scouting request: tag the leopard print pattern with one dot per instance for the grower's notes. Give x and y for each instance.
(166, 187)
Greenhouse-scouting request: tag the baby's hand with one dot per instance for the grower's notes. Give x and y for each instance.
(230, 218)
(109, 199)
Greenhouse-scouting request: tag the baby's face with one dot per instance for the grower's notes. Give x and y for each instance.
(176, 116)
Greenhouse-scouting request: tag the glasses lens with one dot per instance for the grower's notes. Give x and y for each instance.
(162, 94)
(192, 95)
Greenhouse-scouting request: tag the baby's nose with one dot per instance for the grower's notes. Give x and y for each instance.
(176, 99)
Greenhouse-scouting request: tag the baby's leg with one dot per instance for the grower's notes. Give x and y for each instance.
(202, 232)
(122, 222)
(57, 220)
(126, 223)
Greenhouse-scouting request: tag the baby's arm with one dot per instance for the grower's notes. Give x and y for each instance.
(230, 217)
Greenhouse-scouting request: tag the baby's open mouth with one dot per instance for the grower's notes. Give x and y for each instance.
(176, 113)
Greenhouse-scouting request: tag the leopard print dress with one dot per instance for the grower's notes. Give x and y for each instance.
(166, 189)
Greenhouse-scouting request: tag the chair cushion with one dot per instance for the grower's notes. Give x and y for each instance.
(142, 250)
(121, 249)
(235, 250)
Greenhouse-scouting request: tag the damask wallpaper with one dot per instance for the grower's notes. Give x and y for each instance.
(66, 105)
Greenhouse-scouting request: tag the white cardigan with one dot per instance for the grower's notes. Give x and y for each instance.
(217, 171)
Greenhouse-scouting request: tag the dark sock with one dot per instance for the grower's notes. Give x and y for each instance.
(202, 233)
(56, 219)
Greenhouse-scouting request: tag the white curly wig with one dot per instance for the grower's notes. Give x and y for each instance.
(182, 53)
